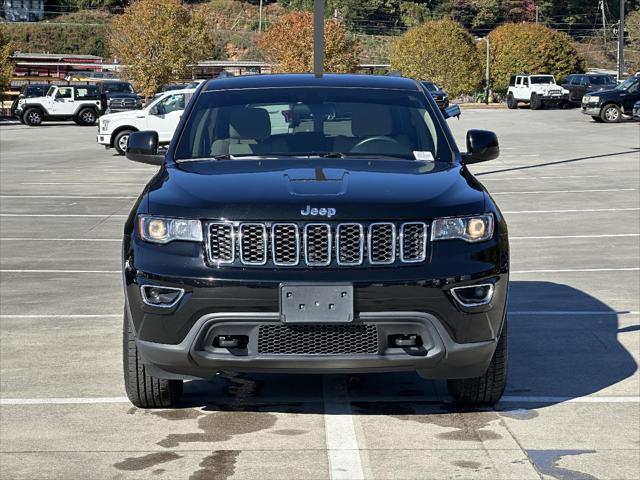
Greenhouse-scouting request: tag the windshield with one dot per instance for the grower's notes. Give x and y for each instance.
(430, 86)
(628, 83)
(542, 79)
(310, 122)
(601, 80)
(117, 88)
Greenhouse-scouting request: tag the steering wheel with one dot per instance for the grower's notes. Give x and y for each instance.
(378, 138)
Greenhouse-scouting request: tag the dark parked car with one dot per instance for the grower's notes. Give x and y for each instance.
(349, 243)
(609, 105)
(117, 96)
(580, 84)
(636, 110)
(29, 91)
(439, 95)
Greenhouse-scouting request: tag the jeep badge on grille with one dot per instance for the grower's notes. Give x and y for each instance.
(318, 212)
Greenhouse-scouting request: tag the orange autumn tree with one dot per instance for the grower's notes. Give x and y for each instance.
(157, 40)
(288, 44)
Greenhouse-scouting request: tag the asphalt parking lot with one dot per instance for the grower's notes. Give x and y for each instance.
(569, 189)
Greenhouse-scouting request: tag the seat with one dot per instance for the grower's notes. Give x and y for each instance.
(367, 120)
(249, 132)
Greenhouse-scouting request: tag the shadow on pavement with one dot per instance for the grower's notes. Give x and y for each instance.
(554, 356)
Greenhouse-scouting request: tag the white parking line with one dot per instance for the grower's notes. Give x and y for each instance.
(342, 444)
(110, 315)
(31, 239)
(574, 210)
(574, 312)
(547, 177)
(549, 237)
(569, 270)
(119, 184)
(526, 192)
(97, 197)
(81, 215)
(58, 271)
(336, 430)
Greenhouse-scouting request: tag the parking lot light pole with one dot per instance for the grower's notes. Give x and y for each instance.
(318, 37)
(621, 42)
(486, 87)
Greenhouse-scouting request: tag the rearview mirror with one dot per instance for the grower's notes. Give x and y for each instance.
(452, 110)
(482, 145)
(143, 147)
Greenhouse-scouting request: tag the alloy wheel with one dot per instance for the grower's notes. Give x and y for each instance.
(612, 114)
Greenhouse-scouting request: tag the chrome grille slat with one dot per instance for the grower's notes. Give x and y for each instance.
(382, 243)
(413, 242)
(253, 243)
(291, 244)
(317, 244)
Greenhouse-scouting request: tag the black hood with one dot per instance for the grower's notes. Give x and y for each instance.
(281, 189)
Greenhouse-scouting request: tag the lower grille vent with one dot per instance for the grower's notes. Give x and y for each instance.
(318, 339)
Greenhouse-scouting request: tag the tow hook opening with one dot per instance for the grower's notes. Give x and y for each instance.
(404, 340)
(473, 295)
(231, 341)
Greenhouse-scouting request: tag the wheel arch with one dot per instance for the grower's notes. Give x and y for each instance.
(37, 106)
(117, 130)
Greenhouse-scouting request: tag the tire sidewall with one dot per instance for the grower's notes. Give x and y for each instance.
(33, 117)
(87, 117)
(118, 138)
(610, 109)
(511, 101)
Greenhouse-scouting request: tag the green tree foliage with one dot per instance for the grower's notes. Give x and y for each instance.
(6, 66)
(632, 24)
(289, 45)
(81, 39)
(441, 51)
(157, 40)
(530, 48)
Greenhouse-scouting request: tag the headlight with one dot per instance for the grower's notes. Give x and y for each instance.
(469, 229)
(104, 124)
(165, 230)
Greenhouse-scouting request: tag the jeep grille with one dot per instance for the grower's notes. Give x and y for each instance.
(319, 244)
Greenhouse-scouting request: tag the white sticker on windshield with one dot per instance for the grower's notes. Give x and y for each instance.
(424, 156)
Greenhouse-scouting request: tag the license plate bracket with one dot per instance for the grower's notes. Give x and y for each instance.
(316, 303)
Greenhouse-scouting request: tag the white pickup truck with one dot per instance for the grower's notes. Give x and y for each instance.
(536, 90)
(161, 115)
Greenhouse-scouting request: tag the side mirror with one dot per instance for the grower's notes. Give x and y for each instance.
(143, 147)
(482, 145)
(452, 110)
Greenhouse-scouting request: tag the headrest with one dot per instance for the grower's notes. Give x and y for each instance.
(246, 123)
(371, 120)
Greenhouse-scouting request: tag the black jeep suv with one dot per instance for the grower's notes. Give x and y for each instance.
(357, 242)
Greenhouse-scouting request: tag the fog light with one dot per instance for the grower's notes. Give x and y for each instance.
(473, 295)
(231, 341)
(165, 297)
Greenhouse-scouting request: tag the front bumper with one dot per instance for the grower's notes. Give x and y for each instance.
(18, 112)
(590, 109)
(104, 139)
(178, 342)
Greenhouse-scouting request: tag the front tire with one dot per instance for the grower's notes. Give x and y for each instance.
(488, 388)
(87, 117)
(120, 141)
(33, 117)
(611, 113)
(144, 390)
(596, 119)
(535, 103)
(512, 103)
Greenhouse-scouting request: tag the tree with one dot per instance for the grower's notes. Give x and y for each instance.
(6, 66)
(441, 51)
(289, 45)
(632, 24)
(157, 40)
(530, 48)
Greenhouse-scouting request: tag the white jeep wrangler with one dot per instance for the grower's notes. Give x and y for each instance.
(537, 90)
(161, 115)
(80, 103)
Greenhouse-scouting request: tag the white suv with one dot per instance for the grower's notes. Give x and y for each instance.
(161, 115)
(537, 90)
(80, 103)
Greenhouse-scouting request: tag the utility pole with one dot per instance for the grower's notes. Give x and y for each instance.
(537, 12)
(604, 24)
(318, 37)
(260, 20)
(621, 42)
